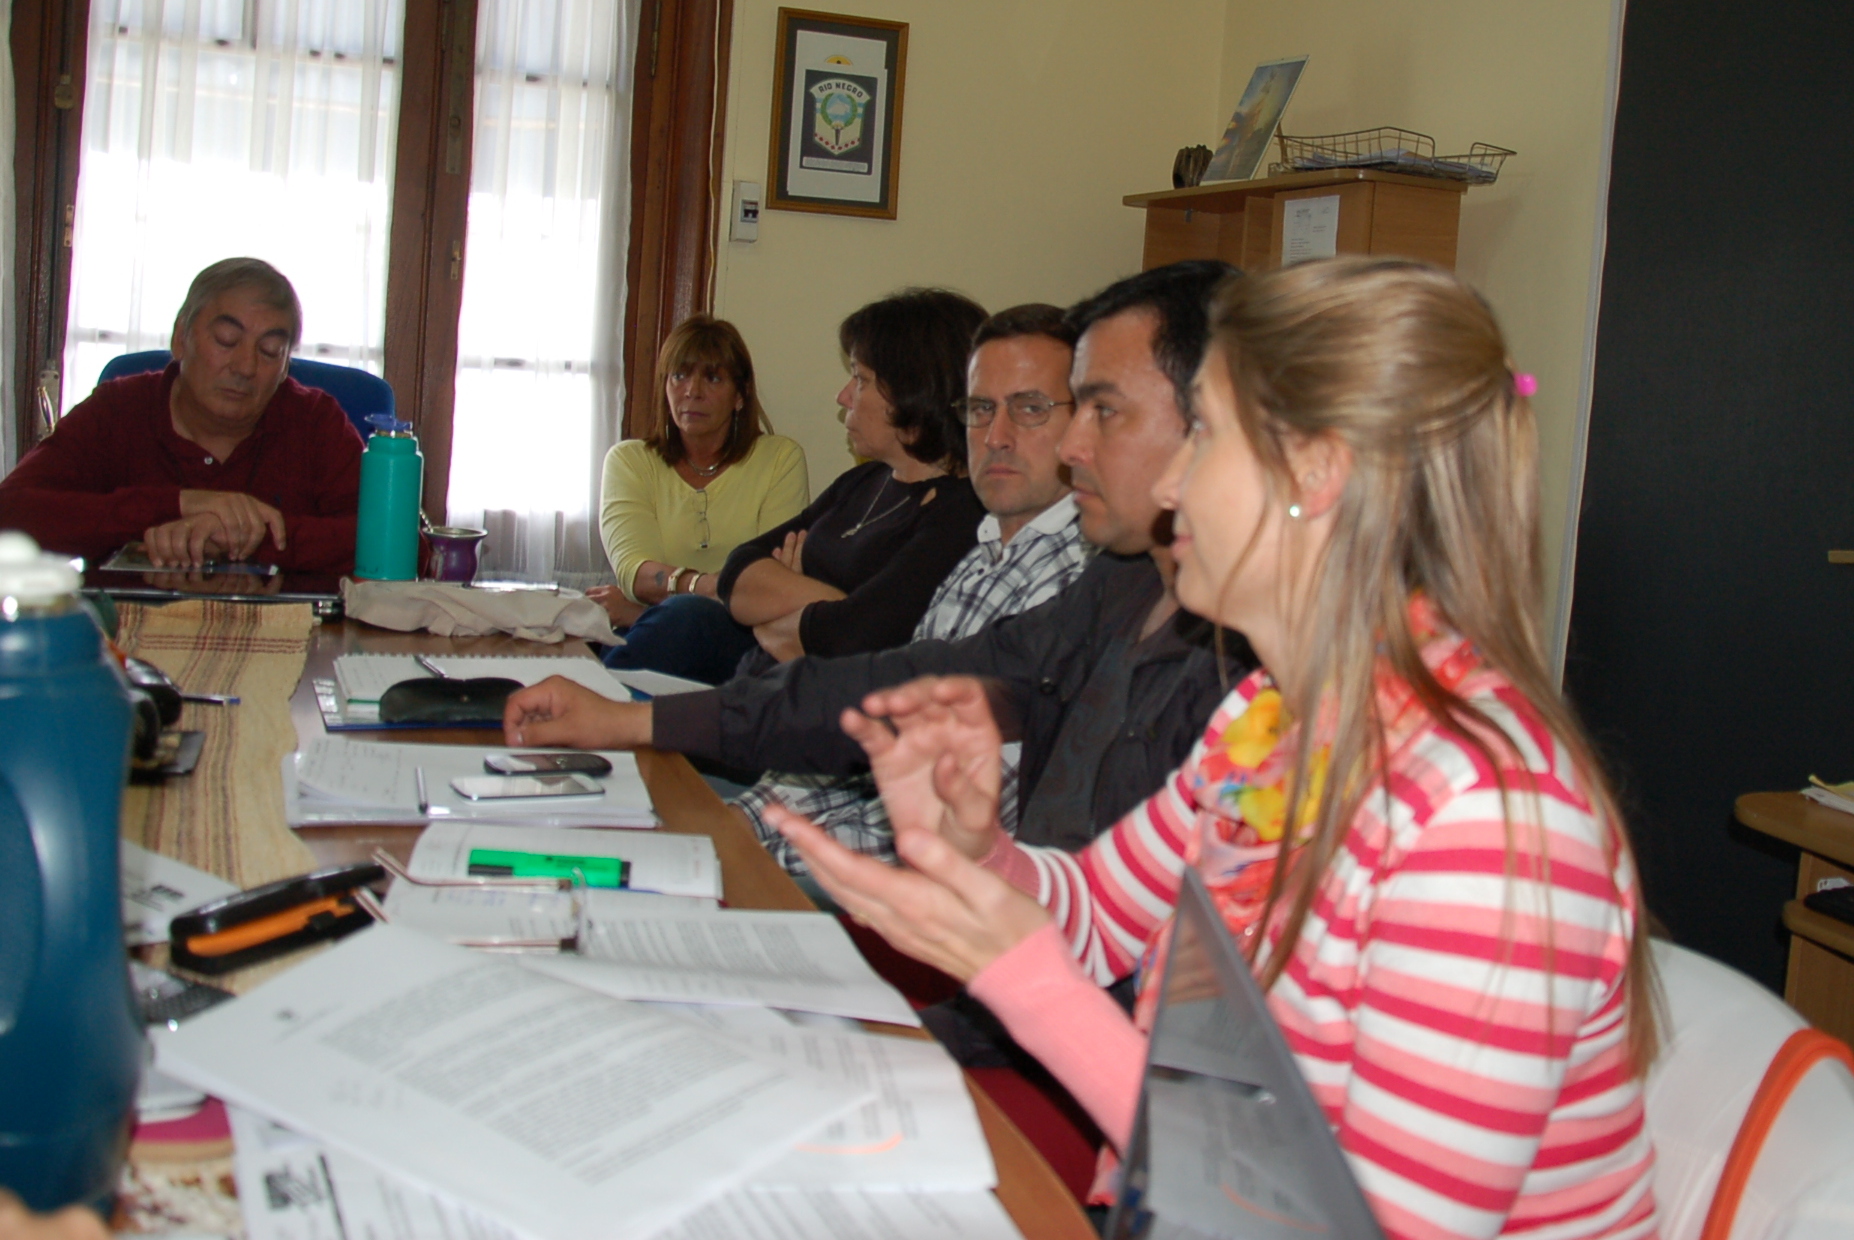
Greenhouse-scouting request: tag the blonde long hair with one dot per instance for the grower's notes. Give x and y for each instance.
(1404, 364)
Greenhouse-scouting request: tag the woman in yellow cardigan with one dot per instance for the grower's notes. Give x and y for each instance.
(710, 475)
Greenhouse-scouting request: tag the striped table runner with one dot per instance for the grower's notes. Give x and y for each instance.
(227, 817)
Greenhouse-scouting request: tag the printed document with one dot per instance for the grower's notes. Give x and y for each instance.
(293, 1188)
(734, 956)
(560, 1113)
(340, 780)
(921, 1130)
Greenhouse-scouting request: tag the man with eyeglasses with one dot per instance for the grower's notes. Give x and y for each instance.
(1107, 685)
(1029, 546)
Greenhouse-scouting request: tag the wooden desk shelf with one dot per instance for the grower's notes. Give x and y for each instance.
(1240, 222)
(1820, 979)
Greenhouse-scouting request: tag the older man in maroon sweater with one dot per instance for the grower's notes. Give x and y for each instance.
(220, 456)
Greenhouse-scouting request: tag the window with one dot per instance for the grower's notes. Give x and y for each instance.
(537, 353)
(223, 127)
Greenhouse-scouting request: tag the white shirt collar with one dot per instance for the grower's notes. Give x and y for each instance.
(1052, 520)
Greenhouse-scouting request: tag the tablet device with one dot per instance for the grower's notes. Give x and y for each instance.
(1228, 1141)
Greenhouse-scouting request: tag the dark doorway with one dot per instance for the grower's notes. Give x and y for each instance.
(1712, 644)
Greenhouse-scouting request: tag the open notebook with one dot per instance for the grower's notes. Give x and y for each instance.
(1228, 1141)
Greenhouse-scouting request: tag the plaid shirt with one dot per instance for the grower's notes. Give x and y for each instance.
(995, 579)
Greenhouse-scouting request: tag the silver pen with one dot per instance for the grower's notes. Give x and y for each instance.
(430, 666)
(424, 799)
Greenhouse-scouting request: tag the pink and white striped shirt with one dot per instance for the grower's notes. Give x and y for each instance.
(1459, 1015)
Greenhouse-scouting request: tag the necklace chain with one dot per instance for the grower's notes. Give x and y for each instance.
(880, 491)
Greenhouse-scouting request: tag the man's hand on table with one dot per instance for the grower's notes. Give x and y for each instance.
(186, 543)
(559, 711)
(244, 520)
(70, 1223)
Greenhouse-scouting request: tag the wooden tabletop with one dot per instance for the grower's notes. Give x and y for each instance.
(1037, 1201)
(1794, 817)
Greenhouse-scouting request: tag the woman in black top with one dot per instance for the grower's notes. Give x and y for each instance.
(855, 570)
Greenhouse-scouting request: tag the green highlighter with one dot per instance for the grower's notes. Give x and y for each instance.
(500, 863)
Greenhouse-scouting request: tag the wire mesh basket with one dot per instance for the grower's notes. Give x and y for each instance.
(1390, 150)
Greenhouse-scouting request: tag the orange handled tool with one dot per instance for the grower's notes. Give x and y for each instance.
(267, 921)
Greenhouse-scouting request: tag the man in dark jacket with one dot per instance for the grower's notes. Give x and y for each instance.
(1108, 684)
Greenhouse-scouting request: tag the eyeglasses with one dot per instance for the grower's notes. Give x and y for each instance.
(1025, 411)
(701, 515)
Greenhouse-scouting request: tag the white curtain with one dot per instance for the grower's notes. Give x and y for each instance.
(9, 205)
(539, 339)
(215, 128)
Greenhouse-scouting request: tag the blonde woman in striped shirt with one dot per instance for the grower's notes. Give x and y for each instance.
(1397, 815)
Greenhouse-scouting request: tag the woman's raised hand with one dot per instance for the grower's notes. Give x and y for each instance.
(936, 755)
(947, 911)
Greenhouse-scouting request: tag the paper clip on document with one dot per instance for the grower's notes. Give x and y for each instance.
(575, 884)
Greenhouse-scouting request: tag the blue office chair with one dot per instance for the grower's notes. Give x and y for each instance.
(356, 391)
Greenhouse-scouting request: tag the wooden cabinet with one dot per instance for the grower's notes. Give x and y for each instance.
(1820, 983)
(1241, 222)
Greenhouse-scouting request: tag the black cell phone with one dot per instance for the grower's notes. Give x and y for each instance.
(546, 763)
(1836, 902)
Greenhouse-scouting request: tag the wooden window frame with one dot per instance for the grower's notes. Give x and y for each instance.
(677, 130)
(48, 40)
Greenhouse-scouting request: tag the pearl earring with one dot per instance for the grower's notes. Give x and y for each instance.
(1294, 511)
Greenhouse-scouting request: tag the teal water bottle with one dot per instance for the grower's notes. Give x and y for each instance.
(70, 1037)
(392, 478)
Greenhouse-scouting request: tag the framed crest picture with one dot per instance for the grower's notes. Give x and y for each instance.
(836, 132)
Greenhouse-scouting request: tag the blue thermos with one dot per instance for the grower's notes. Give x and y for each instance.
(70, 1038)
(392, 476)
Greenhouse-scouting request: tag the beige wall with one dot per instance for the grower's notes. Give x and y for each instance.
(1025, 122)
(1532, 75)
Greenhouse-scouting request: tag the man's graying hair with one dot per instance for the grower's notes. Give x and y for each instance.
(272, 288)
(1178, 295)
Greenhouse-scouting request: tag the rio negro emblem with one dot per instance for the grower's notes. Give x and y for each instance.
(839, 107)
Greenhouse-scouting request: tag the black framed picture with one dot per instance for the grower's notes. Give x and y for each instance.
(836, 133)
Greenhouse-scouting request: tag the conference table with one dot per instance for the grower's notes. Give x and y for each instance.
(1037, 1201)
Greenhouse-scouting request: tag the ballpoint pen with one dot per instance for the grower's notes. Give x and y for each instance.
(424, 800)
(431, 667)
(211, 699)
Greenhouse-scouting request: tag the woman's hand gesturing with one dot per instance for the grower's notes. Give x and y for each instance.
(935, 752)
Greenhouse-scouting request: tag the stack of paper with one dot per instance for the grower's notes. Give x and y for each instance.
(1835, 796)
(339, 780)
(920, 1132)
(802, 961)
(559, 1113)
(294, 1188)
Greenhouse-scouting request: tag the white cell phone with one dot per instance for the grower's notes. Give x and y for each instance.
(506, 787)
